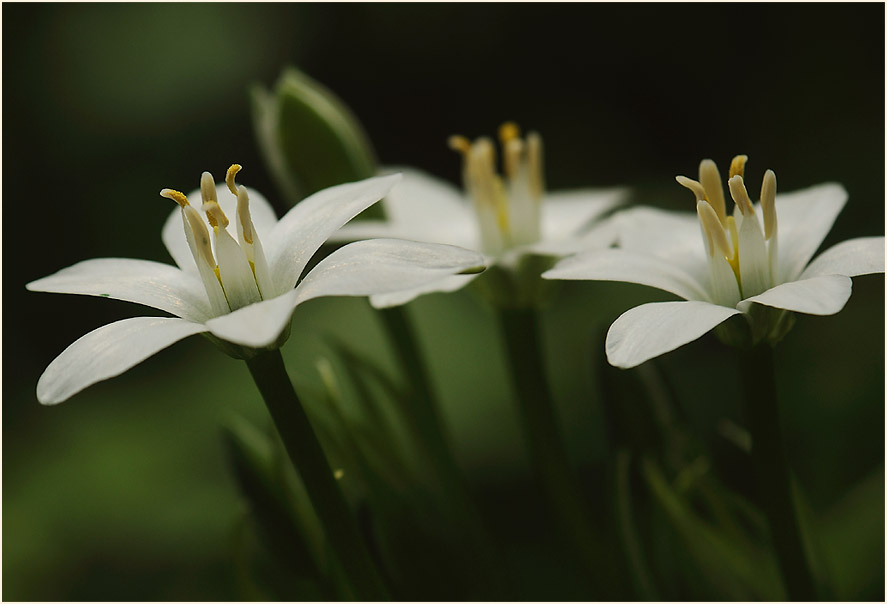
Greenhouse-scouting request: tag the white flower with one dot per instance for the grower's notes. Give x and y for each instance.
(504, 218)
(738, 269)
(241, 291)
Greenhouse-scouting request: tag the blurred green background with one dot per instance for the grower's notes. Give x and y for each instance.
(124, 493)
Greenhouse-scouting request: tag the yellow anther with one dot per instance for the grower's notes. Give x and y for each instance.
(176, 196)
(246, 222)
(229, 177)
(508, 131)
(459, 143)
(740, 196)
(338, 474)
(694, 186)
(737, 166)
(710, 179)
(714, 230)
(768, 203)
(215, 215)
(208, 188)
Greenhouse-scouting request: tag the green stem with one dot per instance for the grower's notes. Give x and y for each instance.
(543, 437)
(424, 409)
(308, 457)
(432, 437)
(773, 477)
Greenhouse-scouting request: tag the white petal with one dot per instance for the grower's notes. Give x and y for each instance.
(631, 267)
(663, 233)
(141, 281)
(805, 218)
(854, 257)
(379, 266)
(824, 295)
(423, 202)
(650, 330)
(173, 236)
(257, 325)
(173, 233)
(305, 227)
(108, 351)
(420, 208)
(602, 235)
(447, 284)
(566, 213)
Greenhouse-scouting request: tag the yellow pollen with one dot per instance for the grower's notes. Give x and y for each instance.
(229, 177)
(176, 196)
(508, 131)
(737, 166)
(459, 143)
(694, 186)
(740, 196)
(215, 215)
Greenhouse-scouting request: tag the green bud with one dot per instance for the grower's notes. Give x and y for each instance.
(310, 140)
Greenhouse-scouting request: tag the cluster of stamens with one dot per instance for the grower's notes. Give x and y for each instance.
(234, 273)
(507, 209)
(737, 238)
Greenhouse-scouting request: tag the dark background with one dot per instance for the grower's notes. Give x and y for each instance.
(123, 493)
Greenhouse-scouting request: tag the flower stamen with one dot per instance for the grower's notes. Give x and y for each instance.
(229, 177)
(710, 179)
(697, 189)
(768, 204)
(740, 195)
(176, 196)
(714, 231)
(737, 166)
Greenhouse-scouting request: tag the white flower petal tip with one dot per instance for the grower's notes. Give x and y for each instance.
(651, 330)
(144, 282)
(854, 257)
(107, 352)
(823, 295)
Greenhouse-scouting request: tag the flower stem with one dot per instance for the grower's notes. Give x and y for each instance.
(543, 437)
(432, 437)
(308, 457)
(772, 472)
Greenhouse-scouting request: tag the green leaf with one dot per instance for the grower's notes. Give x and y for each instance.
(283, 527)
(309, 138)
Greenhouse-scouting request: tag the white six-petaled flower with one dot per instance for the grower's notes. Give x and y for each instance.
(742, 267)
(239, 287)
(503, 218)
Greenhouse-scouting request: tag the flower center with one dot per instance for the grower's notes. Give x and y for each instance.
(741, 256)
(507, 209)
(234, 272)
